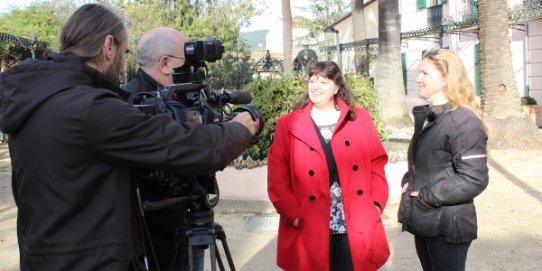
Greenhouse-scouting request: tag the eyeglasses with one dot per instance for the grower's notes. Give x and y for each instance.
(176, 57)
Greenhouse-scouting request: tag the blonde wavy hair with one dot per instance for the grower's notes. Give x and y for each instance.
(459, 89)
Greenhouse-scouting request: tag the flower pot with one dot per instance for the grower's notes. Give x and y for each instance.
(532, 111)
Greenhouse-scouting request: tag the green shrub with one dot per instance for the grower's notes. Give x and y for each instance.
(366, 97)
(230, 73)
(275, 97)
(527, 100)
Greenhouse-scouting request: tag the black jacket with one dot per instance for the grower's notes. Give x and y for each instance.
(448, 166)
(142, 82)
(162, 224)
(73, 143)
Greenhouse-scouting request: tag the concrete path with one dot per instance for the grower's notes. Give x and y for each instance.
(509, 216)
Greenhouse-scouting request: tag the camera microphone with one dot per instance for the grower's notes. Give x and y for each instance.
(238, 97)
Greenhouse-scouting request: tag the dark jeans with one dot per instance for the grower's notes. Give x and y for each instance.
(435, 254)
(339, 253)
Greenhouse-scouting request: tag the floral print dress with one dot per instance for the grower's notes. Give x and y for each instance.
(337, 224)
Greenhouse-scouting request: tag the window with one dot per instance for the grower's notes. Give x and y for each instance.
(421, 3)
(434, 16)
(429, 3)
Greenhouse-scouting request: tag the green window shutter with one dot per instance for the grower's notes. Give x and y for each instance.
(477, 82)
(421, 3)
(403, 60)
(474, 9)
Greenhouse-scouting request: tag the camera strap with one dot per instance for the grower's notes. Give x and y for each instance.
(332, 166)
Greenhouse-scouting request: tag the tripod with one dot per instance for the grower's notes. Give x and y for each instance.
(194, 236)
(200, 231)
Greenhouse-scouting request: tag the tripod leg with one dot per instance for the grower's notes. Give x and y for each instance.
(179, 236)
(221, 235)
(219, 259)
(213, 252)
(203, 237)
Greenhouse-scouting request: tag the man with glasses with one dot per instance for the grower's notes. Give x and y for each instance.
(160, 51)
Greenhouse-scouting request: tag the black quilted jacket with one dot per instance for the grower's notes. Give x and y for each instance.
(448, 166)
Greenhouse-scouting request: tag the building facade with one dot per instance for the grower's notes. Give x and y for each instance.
(452, 24)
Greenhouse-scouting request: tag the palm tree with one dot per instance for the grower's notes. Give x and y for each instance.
(358, 30)
(287, 40)
(389, 74)
(507, 127)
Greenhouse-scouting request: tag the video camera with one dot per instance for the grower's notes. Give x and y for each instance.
(190, 99)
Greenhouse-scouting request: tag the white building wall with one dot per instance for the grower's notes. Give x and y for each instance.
(534, 65)
(346, 34)
(463, 43)
(517, 48)
(371, 20)
(274, 40)
(411, 17)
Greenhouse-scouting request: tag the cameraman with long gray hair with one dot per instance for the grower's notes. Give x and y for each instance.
(74, 143)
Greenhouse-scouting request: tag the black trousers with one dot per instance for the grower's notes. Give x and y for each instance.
(340, 258)
(436, 254)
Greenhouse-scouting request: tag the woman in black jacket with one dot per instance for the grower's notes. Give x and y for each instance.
(447, 164)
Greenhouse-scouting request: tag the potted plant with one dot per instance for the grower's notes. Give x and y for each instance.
(530, 107)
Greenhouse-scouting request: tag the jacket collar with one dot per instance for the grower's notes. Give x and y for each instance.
(147, 80)
(302, 127)
(434, 113)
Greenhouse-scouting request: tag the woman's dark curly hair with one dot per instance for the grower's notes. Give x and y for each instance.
(330, 70)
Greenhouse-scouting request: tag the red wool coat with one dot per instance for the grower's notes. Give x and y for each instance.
(298, 186)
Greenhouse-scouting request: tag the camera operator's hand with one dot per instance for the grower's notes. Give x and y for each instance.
(246, 119)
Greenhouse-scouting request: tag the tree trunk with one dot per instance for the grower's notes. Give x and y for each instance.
(508, 127)
(358, 33)
(287, 36)
(389, 73)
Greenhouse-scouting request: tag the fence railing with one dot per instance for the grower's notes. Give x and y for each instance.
(20, 41)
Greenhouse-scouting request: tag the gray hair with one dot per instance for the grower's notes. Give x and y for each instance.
(154, 45)
(84, 33)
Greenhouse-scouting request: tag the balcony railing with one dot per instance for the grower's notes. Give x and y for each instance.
(529, 9)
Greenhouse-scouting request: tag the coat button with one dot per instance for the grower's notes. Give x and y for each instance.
(360, 192)
(355, 167)
(312, 198)
(311, 173)
(347, 143)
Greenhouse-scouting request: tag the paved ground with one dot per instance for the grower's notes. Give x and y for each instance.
(510, 218)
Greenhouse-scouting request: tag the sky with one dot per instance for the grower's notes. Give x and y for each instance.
(6, 4)
(272, 10)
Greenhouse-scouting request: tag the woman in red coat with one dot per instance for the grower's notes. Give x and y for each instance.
(326, 180)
